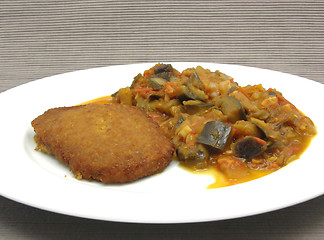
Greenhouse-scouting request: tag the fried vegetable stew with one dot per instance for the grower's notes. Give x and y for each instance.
(215, 123)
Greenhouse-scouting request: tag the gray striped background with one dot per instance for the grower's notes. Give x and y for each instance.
(49, 37)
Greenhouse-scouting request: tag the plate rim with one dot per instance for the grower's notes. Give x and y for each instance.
(143, 219)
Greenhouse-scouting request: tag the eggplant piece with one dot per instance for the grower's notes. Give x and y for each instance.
(195, 156)
(275, 144)
(232, 108)
(249, 147)
(247, 128)
(137, 80)
(157, 83)
(162, 68)
(223, 75)
(196, 106)
(185, 94)
(163, 71)
(233, 88)
(267, 129)
(195, 81)
(189, 92)
(215, 134)
(272, 93)
(196, 93)
(192, 89)
(155, 96)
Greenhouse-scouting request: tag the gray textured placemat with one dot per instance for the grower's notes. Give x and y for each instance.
(45, 38)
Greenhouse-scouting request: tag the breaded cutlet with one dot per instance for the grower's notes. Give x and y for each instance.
(111, 143)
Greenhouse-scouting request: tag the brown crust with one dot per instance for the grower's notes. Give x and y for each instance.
(108, 143)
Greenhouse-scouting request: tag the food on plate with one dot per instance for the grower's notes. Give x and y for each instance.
(203, 119)
(243, 132)
(111, 143)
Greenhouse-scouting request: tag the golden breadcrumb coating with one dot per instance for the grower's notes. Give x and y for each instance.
(111, 143)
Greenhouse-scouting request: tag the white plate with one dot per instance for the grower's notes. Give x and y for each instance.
(174, 196)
